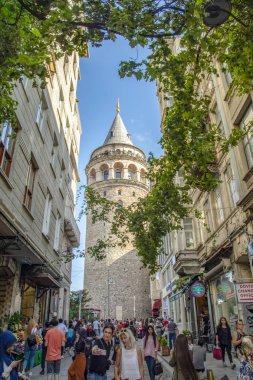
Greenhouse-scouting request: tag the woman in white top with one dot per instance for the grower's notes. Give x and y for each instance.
(129, 361)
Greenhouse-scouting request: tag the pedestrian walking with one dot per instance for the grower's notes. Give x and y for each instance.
(44, 348)
(150, 350)
(129, 361)
(224, 339)
(172, 332)
(246, 365)
(237, 336)
(30, 345)
(96, 327)
(63, 328)
(8, 365)
(181, 360)
(77, 369)
(199, 358)
(99, 359)
(54, 341)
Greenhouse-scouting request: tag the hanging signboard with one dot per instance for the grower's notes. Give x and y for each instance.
(198, 289)
(244, 292)
(175, 297)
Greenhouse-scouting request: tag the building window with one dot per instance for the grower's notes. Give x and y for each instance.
(104, 193)
(207, 216)
(30, 186)
(231, 183)
(47, 214)
(66, 66)
(7, 143)
(54, 153)
(180, 177)
(248, 138)
(219, 120)
(119, 192)
(188, 232)
(219, 208)
(41, 117)
(106, 175)
(117, 173)
(57, 232)
(120, 203)
(71, 95)
(133, 193)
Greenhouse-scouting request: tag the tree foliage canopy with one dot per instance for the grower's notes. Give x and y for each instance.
(32, 30)
(78, 299)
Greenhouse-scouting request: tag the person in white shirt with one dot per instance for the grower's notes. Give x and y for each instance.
(61, 326)
(129, 360)
(96, 327)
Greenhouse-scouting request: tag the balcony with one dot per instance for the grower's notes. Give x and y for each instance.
(187, 262)
(71, 227)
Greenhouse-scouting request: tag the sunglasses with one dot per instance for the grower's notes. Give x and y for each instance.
(123, 331)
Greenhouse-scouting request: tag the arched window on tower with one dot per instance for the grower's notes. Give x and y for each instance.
(143, 176)
(92, 176)
(132, 172)
(105, 171)
(118, 170)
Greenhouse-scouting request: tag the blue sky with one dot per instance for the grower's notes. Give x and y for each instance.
(98, 90)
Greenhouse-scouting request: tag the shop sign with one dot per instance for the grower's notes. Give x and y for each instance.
(175, 297)
(198, 289)
(248, 317)
(244, 292)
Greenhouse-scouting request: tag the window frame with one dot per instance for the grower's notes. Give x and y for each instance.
(29, 189)
(7, 146)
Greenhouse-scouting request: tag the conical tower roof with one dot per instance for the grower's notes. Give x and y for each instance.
(118, 133)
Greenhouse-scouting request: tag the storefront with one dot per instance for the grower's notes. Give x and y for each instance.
(223, 298)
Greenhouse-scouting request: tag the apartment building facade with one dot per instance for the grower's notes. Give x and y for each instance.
(220, 257)
(38, 177)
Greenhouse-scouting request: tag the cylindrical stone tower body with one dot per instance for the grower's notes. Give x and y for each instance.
(118, 285)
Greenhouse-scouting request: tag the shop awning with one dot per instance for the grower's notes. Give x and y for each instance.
(45, 280)
(157, 304)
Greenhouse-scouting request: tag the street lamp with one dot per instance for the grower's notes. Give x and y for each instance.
(217, 12)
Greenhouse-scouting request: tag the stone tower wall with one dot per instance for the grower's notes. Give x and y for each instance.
(118, 285)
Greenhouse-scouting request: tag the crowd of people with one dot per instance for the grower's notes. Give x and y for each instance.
(95, 346)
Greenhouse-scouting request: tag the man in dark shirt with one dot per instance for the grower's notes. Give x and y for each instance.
(99, 360)
(172, 332)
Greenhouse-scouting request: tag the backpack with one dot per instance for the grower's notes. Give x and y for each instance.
(31, 340)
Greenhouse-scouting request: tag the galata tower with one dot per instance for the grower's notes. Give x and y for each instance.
(118, 285)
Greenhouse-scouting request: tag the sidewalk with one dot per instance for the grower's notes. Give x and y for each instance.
(216, 365)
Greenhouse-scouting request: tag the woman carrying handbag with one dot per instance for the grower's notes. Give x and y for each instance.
(224, 339)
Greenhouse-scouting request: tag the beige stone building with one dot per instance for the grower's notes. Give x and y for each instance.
(118, 287)
(222, 255)
(38, 176)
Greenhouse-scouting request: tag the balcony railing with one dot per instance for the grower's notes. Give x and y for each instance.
(71, 227)
(187, 262)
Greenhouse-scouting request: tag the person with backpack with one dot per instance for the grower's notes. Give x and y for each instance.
(30, 346)
(44, 349)
(237, 336)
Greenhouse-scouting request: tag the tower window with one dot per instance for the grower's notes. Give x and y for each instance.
(106, 175)
(104, 193)
(112, 133)
(120, 203)
(119, 192)
(117, 173)
(133, 193)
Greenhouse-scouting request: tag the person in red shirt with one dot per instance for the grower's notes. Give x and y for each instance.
(54, 341)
